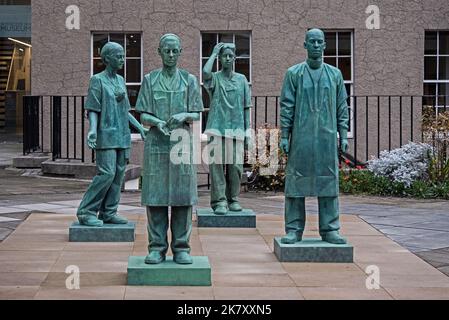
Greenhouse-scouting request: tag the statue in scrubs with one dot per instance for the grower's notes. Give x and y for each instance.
(313, 110)
(227, 124)
(169, 99)
(109, 134)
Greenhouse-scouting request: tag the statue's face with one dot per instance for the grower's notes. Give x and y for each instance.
(116, 59)
(227, 58)
(170, 52)
(315, 44)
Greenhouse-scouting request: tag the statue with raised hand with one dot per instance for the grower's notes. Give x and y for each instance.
(227, 127)
(169, 99)
(313, 110)
(109, 134)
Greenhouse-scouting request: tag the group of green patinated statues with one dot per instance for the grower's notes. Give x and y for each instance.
(313, 110)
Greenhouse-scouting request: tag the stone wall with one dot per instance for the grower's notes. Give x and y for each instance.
(388, 61)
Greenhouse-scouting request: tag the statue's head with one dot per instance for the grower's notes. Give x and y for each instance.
(113, 55)
(170, 49)
(315, 43)
(227, 55)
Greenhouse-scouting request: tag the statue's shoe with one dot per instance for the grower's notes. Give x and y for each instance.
(235, 206)
(116, 219)
(90, 221)
(220, 210)
(291, 238)
(182, 258)
(333, 237)
(154, 257)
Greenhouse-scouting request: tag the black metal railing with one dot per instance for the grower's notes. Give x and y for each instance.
(35, 117)
(68, 129)
(57, 124)
(377, 123)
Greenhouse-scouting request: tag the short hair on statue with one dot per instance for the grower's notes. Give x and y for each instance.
(230, 46)
(108, 49)
(169, 36)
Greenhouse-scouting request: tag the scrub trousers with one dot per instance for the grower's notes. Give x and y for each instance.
(103, 194)
(295, 215)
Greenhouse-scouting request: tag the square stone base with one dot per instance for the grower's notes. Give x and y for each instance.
(169, 273)
(313, 250)
(232, 219)
(106, 233)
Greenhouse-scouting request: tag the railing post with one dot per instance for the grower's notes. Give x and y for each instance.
(255, 113)
(56, 129)
(366, 129)
(31, 135)
(355, 130)
(25, 111)
(82, 129)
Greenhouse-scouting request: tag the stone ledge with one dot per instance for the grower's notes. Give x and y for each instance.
(79, 170)
(232, 219)
(169, 273)
(106, 233)
(313, 250)
(30, 161)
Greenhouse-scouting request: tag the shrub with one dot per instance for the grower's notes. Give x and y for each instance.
(403, 165)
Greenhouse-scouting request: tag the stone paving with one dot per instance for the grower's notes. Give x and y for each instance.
(35, 256)
(9, 149)
(382, 230)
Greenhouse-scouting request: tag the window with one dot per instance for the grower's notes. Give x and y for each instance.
(243, 50)
(339, 53)
(436, 69)
(132, 70)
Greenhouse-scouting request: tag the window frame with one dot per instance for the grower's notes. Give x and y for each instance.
(436, 81)
(124, 33)
(346, 82)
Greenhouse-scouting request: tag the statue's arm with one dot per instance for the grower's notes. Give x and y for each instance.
(342, 113)
(207, 69)
(92, 134)
(288, 104)
(150, 119)
(136, 124)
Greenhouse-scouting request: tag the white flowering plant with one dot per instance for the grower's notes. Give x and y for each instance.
(405, 165)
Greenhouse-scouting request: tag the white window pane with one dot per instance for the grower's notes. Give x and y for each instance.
(99, 40)
(331, 43)
(430, 44)
(242, 45)
(133, 46)
(208, 41)
(226, 37)
(344, 43)
(430, 68)
(444, 42)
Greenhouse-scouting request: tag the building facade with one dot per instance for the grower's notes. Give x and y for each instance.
(407, 56)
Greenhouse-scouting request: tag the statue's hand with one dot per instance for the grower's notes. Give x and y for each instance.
(162, 126)
(143, 133)
(344, 145)
(92, 139)
(177, 120)
(217, 48)
(285, 145)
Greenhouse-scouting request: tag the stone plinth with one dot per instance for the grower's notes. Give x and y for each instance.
(313, 250)
(232, 219)
(106, 233)
(169, 273)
